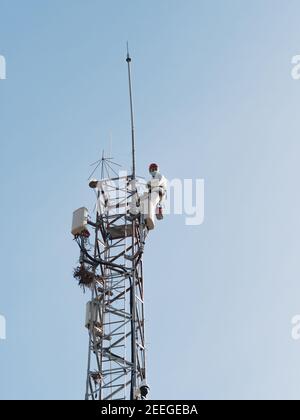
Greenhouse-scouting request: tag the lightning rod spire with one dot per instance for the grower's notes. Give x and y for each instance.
(129, 60)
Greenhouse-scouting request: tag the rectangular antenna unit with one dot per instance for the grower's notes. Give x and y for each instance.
(80, 219)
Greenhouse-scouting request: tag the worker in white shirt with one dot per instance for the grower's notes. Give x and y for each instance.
(157, 185)
(157, 180)
(150, 204)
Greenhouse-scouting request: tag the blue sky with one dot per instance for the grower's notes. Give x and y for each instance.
(214, 99)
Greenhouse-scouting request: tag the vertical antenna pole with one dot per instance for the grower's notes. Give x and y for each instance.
(133, 279)
(128, 60)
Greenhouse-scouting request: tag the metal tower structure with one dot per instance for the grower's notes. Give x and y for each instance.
(111, 269)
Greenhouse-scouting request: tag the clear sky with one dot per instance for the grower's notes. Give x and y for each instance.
(214, 99)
